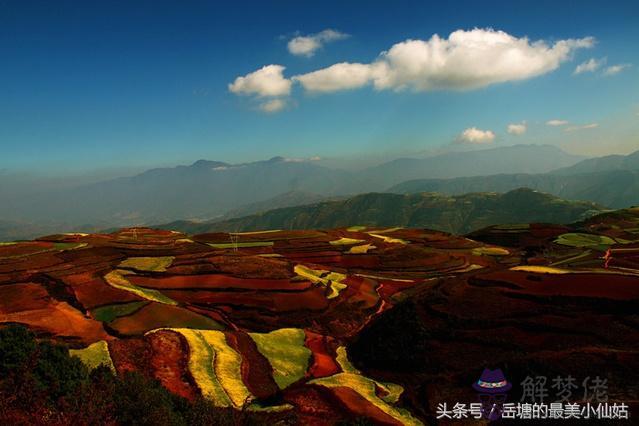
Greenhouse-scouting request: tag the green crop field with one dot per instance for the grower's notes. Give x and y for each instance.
(151, 264)
(94, 355)
(285, 351)
(117, 279)
(110, 312)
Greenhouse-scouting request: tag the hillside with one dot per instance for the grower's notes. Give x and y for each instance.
(457, 214)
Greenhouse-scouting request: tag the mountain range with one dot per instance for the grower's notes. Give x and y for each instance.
(616, 188)
(207, 190)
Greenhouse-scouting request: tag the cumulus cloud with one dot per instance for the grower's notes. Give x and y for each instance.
(590, 65)
(585, 126)
(473, 135)
(465, 60)
(274, 105)
(267, 81)
(615, 69)
(342, 76)
(308, 45)
(517, 128)
(556, 122)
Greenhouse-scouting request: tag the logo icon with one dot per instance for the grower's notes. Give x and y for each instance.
(492, 389)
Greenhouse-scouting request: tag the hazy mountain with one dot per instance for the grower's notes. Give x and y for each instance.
(512, 159)
(210, 189)
(603, 164)
(457, 214)
(203, 189)
(615, 189)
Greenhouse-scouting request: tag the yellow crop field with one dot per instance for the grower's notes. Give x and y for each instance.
(346, 241)
(389, 240)
(228, 367)
(151, 264)
(351, 377)
(386, 231)
(541, 269)
(94, 355)
(332, 280)
(117, 279)
(362, 249)
(285, 351)
(490, 251)
(216, 367)
(356, 228)
(552, 270)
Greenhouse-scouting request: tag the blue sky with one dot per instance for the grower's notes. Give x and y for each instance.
(116, 84)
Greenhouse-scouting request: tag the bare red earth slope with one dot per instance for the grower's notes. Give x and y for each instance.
(338, 324)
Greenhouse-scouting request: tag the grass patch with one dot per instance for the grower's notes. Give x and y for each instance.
(150, 264)
(110, 312)
(117, 279)
(94, 355)
(351, 377)
(285, 351)
(9, 243)
(595, 242)
(331, 280)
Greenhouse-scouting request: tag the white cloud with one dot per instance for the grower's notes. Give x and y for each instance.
(272, 106)
(517, 128)
(308, 45)
(585, 126)
(556, 122)
(267, 81)
(466, 60)
(474, 135)
(590, 65)
(615, 69)
(342, 76)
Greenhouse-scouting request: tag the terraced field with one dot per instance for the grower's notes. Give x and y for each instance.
(288, 320)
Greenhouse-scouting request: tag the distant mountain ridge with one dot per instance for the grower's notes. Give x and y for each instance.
(603, 164)
(611, 181)
(511, 159)
(455, 214)
(208, 189)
